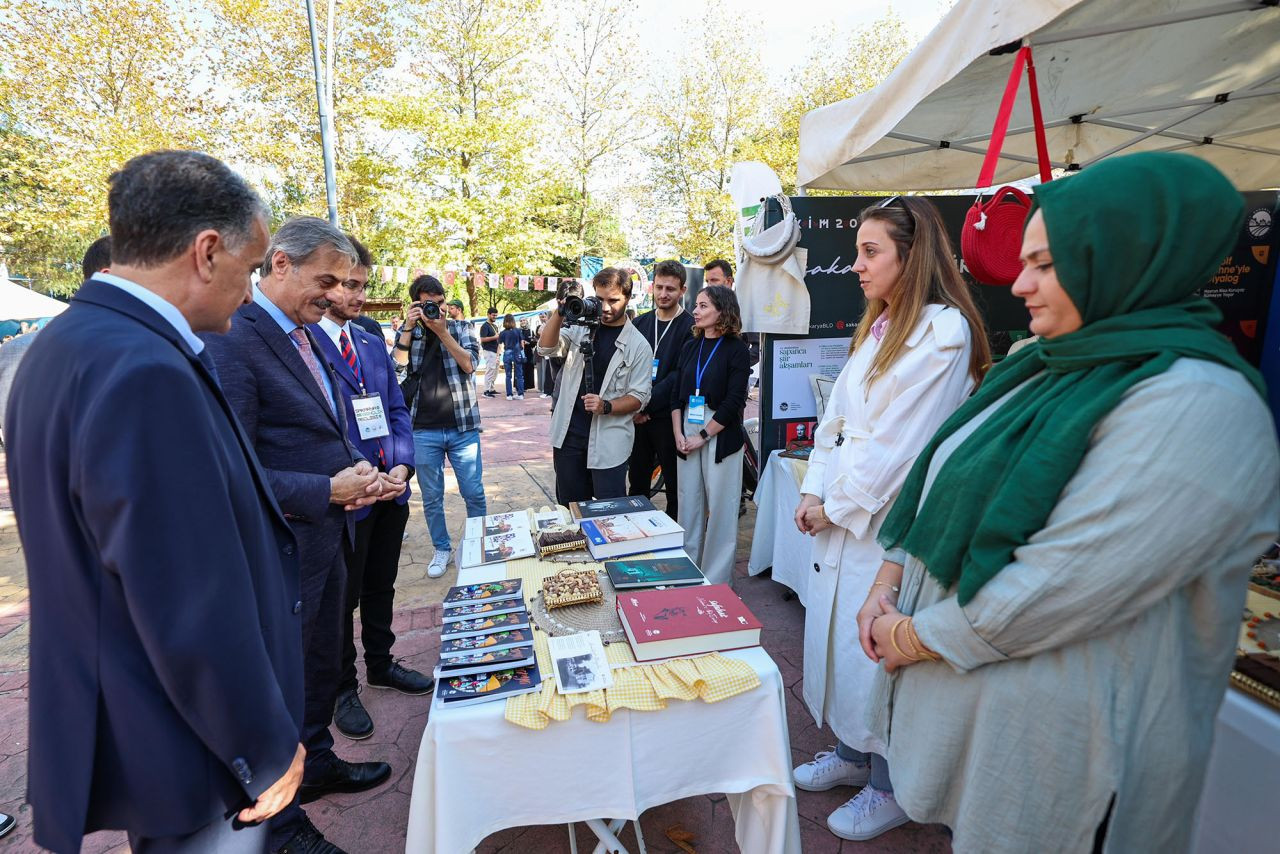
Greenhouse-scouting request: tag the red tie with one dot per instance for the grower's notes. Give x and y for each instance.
(349, 353)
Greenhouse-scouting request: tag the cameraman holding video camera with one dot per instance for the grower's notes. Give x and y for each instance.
(605, 380)
(440, 356)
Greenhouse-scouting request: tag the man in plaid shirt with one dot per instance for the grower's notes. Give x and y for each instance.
(440, 357)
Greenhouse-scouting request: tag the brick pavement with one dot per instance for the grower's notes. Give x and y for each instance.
(518, 474)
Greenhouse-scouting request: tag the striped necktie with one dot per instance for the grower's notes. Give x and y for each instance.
(349, 354)
(299, 337)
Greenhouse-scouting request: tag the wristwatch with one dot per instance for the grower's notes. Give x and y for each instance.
(608, 406)
(706, 437)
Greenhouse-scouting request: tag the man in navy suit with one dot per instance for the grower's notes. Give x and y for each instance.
(287, 399)
(166, 668)
(383, 433)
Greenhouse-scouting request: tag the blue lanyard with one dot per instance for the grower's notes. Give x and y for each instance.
(701, 367)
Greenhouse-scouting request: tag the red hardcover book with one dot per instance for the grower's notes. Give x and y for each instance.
(686, 621)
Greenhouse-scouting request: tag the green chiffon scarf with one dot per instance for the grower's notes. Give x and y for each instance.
(1132, 238)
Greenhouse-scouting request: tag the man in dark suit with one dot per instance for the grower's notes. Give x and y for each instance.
(384, 435)
(287, 399)
(166, 669)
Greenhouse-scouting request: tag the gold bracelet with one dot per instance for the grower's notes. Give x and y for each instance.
(919, 645)
(894, 640)
(886, 584)
(914, 654)
(822, 508)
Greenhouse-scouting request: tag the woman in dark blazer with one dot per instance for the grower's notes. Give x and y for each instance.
(706, 415)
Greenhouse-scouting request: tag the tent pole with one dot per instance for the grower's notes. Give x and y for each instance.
(1147, 23)
(935, 143)
(1185, 137)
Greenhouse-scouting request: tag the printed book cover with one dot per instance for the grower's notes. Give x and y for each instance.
(496, 523)
(483, 662)
(631, 533)
(512, 545)
(485, 643)
(485, 625)
(469, 611)
(632, 573)
(610, 507)
(483, 687)
(491, 591)
(685, 621)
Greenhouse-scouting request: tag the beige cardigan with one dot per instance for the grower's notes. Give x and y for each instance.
(1094, 664)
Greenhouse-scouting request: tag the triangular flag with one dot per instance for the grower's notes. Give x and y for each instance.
(539, 283)
(522, 282)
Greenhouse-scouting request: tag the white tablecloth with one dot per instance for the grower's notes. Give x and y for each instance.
(1238, 805)
(478, 774)
(776, 541)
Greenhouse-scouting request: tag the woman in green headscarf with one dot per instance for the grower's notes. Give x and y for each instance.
(1073, 545)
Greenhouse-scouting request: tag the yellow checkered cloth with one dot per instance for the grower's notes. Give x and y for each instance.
(640, 687)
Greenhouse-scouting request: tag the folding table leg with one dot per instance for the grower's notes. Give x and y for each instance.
(573, 840)
(639, 836)
(607, 834)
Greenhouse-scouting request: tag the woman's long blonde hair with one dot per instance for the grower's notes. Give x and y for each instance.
(929, 275)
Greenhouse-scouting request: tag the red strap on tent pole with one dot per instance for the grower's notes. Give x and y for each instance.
(988, 173)
(1042, 145)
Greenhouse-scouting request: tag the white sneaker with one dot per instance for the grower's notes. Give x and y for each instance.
(827, 770)
(519, 397)
(544, 395)
(509, 397)
(439, 564)
(867, 815)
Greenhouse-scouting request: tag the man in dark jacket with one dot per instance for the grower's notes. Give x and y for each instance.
(166, 666)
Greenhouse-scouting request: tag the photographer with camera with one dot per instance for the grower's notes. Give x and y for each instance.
(440, 356)
(606, 380)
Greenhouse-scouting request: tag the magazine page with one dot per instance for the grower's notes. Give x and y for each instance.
(579, 663)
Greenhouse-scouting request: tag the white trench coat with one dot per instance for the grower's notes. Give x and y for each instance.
(863, 449)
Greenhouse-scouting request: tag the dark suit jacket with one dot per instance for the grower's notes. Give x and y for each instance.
(298, 438)
(379, 378)
(166, 663)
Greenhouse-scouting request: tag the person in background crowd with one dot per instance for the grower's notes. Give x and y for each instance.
(548, 366)
(364, 369)
(457, 311)
(489, 343)
(591, 428)
(512, 356)
(707, 401)
(395, 327)
(440, 358)
(667, 329)
(1053, 592)
(917, 353)
(97, 259)
(530, 345)
(286, 397)
(166, 663)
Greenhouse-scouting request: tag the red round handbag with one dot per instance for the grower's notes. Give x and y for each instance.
(991, 239)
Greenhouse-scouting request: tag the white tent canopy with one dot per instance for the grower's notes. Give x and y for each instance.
(1200, 76)
(19, 303)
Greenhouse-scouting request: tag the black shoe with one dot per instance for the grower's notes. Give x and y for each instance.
(401, 679)
(308, 840)
(333, 775)
(7, 823)
(350, 716)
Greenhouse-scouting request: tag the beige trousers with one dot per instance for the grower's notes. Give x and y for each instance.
(709, 496)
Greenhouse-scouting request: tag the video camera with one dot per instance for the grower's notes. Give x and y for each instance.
(581, 311)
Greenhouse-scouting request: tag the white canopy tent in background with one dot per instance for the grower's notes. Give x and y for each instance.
(19, 303)
(1200, 76)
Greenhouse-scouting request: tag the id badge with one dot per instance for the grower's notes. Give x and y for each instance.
(697, 411)
(370, 417)
(653, 373)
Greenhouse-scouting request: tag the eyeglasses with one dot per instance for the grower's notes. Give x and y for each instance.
(902, 204)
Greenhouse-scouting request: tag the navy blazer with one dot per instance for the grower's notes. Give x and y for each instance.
(166, 648)
(379, 373)
(298, 437)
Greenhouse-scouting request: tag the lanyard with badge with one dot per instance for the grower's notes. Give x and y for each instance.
(657, 339)
(371, 417)
(697, 411)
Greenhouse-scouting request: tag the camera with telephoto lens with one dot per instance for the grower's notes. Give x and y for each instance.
(430, 311)
(581, 311)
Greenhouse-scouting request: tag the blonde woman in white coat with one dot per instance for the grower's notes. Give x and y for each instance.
(918, 352)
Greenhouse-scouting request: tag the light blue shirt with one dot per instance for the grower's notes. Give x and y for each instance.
(288, 326)
(159, 304)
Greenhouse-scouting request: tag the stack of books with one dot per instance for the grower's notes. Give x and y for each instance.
(616, 527)
(486, 645)
(686, 621)
(496, 538)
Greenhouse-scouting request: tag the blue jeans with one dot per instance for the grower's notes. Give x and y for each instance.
(879, 767)
(518, 367)
(463, 448)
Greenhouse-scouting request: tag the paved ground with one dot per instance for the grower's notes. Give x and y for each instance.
(518, 474)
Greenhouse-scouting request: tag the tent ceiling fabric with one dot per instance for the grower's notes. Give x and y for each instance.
(1117, 86)
(19, 303)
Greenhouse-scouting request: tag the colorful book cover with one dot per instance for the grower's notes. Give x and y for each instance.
(485, 625)
(454, 613)
(496, 523)
(686, 621)
(493, 642)
(481, 662)
(653, 572)
(492, 591)
(610, 507)
(482, 687)
(513, 545)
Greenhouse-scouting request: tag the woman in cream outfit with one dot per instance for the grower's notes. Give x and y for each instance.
(918, 352)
